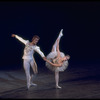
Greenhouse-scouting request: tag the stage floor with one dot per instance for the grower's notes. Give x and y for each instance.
(76, 82)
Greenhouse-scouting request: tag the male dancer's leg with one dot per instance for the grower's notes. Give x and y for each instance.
(27, 71)
(34, 67)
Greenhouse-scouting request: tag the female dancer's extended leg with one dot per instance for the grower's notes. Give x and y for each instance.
(55, 47)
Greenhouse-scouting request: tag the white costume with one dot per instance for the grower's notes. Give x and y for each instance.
(28, 59)
(53, 55)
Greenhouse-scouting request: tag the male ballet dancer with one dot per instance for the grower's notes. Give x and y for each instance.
(28, 58)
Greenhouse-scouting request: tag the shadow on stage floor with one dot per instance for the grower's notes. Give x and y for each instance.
(76, 82)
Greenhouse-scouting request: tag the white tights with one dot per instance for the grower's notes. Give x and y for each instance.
(27, 63)
(57, 79)
(54, 49)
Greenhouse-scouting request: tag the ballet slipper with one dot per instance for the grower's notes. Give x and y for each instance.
(58, 87)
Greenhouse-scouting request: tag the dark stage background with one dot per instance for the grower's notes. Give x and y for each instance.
(79, 20)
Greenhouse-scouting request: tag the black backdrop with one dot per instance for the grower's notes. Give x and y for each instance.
(79, 20)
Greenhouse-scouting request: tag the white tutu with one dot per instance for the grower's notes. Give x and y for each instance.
(52, 55)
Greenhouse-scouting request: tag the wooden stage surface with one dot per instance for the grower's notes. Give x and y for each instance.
(76, 82)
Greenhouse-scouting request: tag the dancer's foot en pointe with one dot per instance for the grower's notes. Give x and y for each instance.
(58, 87)
(31, 84)
(61, 34)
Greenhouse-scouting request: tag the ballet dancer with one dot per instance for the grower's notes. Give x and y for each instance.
(56, 60)
(28, 58)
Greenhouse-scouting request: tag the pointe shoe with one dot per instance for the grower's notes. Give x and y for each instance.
(61, 34)
(61, 30)
(58, 87)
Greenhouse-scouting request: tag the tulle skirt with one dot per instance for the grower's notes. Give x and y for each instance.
(52, 55)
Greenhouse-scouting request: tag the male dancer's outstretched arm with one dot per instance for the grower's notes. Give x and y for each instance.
(19, 38)
(37, 49)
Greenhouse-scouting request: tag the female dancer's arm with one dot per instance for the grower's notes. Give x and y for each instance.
(56, 65)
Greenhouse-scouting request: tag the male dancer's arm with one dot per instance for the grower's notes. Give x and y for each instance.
(19, 38)
(37, 49)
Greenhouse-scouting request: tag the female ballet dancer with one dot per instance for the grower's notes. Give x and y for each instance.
(57, 61)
